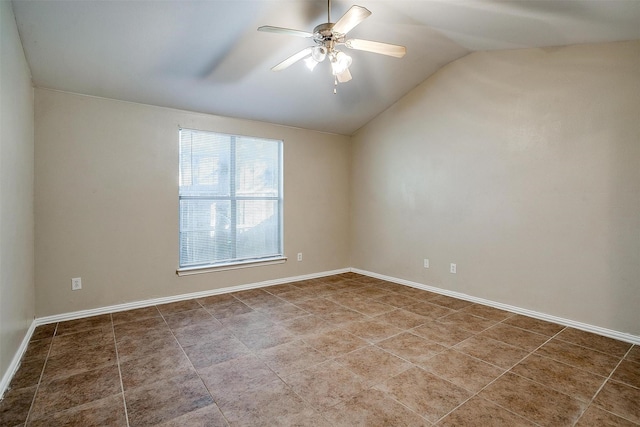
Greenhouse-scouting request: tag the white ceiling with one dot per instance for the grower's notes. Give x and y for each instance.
(207, 56)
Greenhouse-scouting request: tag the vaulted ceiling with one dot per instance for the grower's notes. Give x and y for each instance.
(207, 56)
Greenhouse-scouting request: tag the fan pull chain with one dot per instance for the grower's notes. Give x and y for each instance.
(335, 85)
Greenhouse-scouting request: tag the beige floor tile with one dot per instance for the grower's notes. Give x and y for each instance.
(308, 325)
(565, 378)
(78, 325)
(372, 364)
(372, 330)
(343, 316)
(447, 335)
(462, 370)
(268, 336)
(151, 369)
(634, 354)
(596, 342)
(366, 306)
(402, 319)
(65, 364)
(492, 351)
(628, 372)
(534, 325)
(194, 334)
(516, 337)
(326, 384)
(38, 349)
(373, 408)
(319, 306)
(581, 357)
(335, 342)
(165, 400)
(230, 380)
(411, 347)
(428, 310)
(428, 395)
(283, 313)
(208, 416)
(178, 306)
(487, 312)
(79, 341)
(103, 412)
(291, 357)
(134, 315)
(15, 405)
(187, 318)
(211, 351)
(139, 328)
(215, 300)
(595, 416)
(375, 353)
(467, 321)
(271, 404)
(397, 300)
(621, 399)
(154, 343)
(44, 331)
(478, 412)
(80, 388)
(533, 401)
(452, 303)
(227, 309)
(29, 373)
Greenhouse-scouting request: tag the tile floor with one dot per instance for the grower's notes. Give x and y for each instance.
(345, 350)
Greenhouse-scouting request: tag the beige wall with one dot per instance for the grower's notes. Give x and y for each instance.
(523, 167)
(16, 191)
(107, 202)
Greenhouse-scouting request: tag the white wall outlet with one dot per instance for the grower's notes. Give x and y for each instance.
(426, 263)
(299, 256)
(453, 268)
(76, 283)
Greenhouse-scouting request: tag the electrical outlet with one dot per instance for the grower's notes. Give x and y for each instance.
(76, 283)
(453, 268)
(299, 256)
(426, 263)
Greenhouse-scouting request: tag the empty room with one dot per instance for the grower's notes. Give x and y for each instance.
(320, 213)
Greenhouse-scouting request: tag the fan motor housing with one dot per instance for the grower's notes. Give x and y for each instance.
(323, 35)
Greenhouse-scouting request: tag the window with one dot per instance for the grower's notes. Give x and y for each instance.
(230, 199)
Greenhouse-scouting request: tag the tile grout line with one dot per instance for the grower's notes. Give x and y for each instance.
(607, 379)
(342, 325)
(115, 343)
(35, 394)
(191, 363)
(500, 376)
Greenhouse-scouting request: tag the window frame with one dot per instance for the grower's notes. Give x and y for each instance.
(233, 199)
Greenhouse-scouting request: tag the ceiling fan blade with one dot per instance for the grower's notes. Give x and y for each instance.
(292, 59)
(344, 76)
(285, 31)
(376, 47)
(354, 16)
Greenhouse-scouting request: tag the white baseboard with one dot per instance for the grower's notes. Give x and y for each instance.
(165, 300)
(622, 336)
(15, 362)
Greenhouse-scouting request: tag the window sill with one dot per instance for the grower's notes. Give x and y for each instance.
(232, 266)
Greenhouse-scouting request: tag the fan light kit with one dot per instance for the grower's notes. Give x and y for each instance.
(327, 37)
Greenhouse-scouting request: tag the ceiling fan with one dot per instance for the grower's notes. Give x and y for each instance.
(327, 37)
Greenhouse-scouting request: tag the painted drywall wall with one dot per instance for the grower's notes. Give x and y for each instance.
(17, 300)
(523, 168)
(106, 192)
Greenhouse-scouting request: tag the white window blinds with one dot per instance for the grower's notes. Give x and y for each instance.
(230, 198)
